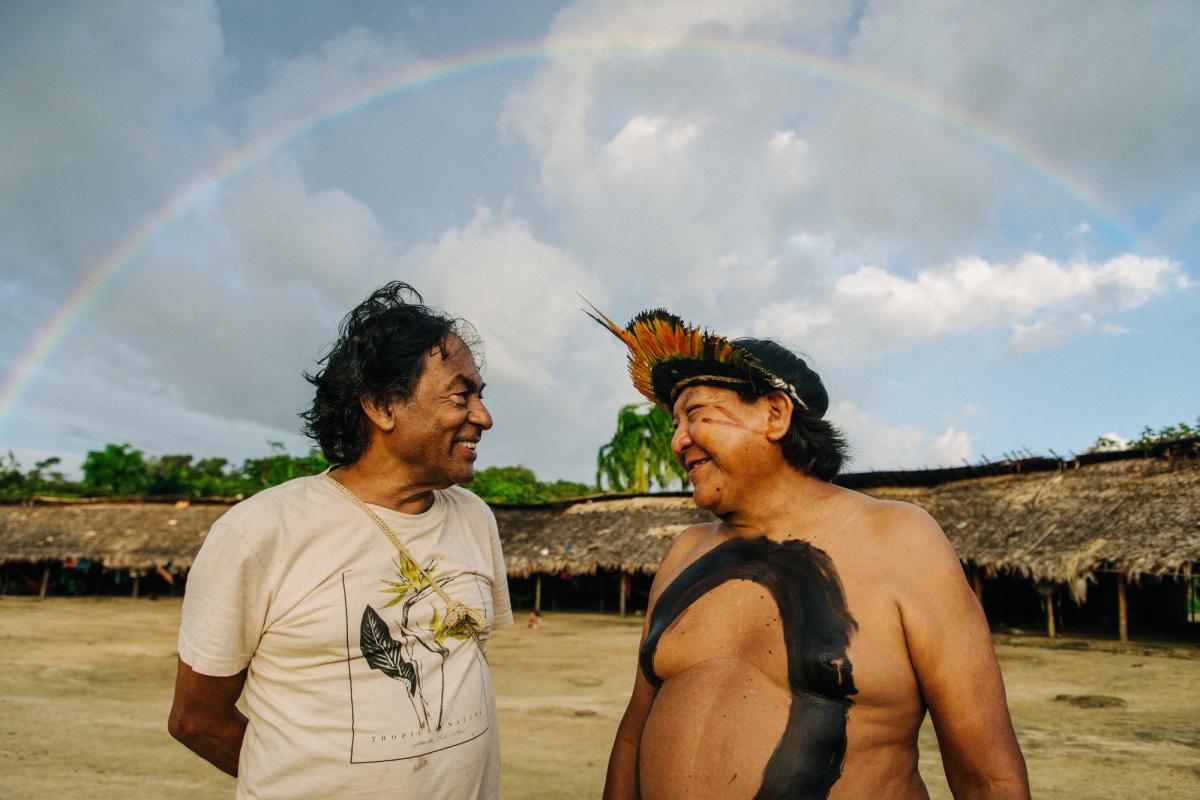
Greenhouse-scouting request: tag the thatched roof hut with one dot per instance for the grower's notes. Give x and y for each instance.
(1137, 513)
(626, 534)
(1058, 523)
(118, 533)
(1136, 517)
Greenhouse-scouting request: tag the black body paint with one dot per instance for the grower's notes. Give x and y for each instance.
(816, 632)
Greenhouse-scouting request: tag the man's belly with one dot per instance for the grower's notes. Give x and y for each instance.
(711, 731)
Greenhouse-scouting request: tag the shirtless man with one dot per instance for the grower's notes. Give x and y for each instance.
(792, 649)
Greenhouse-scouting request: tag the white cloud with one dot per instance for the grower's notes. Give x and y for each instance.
(822, 183)
(788, 155)
(662, 166)
(519, 292)
(647, 146)
(875, 445)
(952, 447)
(1116, 441)
(224, 315)
(1106, 88)
(345, 66)
(282, 230)
(1042, 301)
(673, 20)
(1058, 329)
(1086, 102)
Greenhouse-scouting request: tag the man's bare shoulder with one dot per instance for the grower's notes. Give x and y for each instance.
(913, 552)
(688, 545)
(906, 533)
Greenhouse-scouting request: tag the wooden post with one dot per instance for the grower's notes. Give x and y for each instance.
(45, 582)
(137, 579)
(1122, 608)
(977, 585)
(537, 594)
(1050, 630)
(624, 592)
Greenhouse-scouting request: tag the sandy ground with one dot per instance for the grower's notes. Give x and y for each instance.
(85, 686)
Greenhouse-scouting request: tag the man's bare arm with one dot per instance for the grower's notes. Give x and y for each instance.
(620, 783)
(205, 718)
(955, 664)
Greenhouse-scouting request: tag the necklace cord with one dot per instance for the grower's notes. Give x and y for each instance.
(456, 610)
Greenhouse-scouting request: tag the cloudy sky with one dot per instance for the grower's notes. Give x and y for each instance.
(980, 221)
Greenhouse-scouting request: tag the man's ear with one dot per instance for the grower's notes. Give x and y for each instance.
(779, 415)
(379, 412)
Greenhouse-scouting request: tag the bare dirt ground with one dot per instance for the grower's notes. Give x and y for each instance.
(85, 686)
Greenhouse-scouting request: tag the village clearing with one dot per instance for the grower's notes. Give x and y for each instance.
(85, 686)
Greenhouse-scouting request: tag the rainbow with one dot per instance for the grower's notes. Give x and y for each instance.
(47, 340)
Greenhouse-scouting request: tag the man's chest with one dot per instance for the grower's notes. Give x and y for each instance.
(805, 620)
(322, 605)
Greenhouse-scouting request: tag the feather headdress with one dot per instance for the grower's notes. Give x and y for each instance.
(666, 355)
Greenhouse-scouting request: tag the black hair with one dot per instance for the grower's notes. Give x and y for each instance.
(379, 355)
(812, 444)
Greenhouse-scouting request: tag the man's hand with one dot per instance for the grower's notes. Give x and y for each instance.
(205, 718)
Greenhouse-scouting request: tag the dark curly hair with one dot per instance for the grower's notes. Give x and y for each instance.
(812, 444)
(379, 354)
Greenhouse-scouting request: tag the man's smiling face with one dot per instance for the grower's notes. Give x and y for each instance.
(717, 440)
(439, 426)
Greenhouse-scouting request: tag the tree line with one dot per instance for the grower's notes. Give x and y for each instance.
(1150, 437)
(120, 470)
(636, 459)
(124, 471)
(638, 455)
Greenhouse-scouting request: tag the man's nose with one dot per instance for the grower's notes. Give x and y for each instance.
(480, 415)
(679, 440)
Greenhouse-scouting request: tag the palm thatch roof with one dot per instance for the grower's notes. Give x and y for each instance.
(119, 533)
(1136, 517)
(622, 533)
(1049, 520)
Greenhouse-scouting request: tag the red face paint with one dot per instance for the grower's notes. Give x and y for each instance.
(732, 422)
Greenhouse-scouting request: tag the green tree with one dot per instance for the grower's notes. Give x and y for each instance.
(42, 480)
(279, 467)
(639, 452)
(512, 485)
(117, 469)
(1150, 437)
(506, 485)
(210, 479)
(171, 475)
(1171, 433)
(12, 480)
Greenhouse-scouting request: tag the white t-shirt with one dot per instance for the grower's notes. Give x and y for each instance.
(355, 686)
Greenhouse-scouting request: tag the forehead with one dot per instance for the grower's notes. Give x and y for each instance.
(457, 361)
(704, 393)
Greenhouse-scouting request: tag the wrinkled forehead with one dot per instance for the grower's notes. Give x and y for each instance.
(703, 393)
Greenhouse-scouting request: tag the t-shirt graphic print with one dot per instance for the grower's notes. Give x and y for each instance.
(414, 691)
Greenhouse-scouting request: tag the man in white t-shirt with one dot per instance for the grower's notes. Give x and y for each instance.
(350, 610)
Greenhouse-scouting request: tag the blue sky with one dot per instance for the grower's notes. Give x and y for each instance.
(979, 221)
